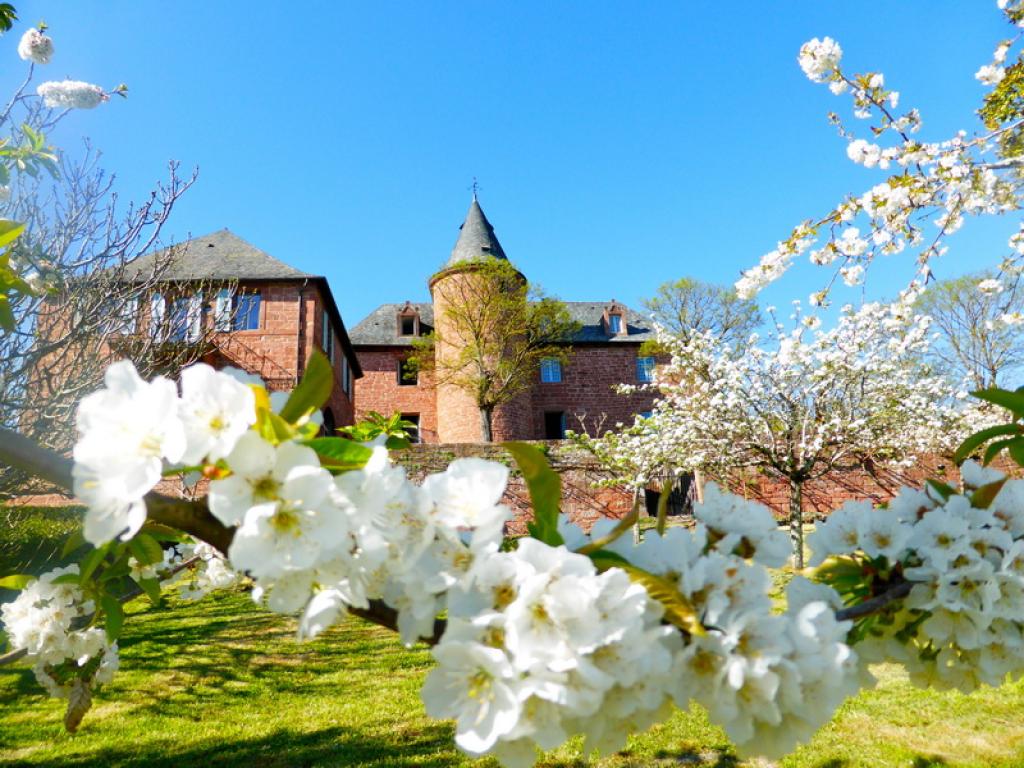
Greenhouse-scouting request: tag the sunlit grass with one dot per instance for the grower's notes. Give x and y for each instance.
(222, 683)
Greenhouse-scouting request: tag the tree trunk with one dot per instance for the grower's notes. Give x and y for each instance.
(485, 424)
(698, 482)
(796, 520)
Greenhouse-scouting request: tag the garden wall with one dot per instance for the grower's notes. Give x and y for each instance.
(583, 503)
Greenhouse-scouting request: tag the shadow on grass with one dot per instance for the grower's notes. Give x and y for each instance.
(282, 749)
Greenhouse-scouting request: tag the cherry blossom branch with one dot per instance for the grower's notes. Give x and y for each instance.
(192, 517)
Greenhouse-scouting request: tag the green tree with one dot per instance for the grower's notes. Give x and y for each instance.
(688, 306)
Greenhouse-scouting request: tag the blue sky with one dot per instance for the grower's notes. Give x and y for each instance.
(617, 145)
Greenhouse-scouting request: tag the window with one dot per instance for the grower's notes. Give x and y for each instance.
(345, 382)
(550, 370)
(615, 323)
(157, 313)
(414, 431)
(645, 369)
(554, 425)
(408, 325)
(246, 312)
(408, 376)
(186, 319)
(327, 337)
(222, 310)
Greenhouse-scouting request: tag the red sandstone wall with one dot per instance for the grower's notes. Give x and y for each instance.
(587, 391)
(380, 391)
(583, 503)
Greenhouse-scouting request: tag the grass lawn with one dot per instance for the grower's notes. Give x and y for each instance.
(220, 682)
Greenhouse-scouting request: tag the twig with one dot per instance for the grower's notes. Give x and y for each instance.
(875, 604)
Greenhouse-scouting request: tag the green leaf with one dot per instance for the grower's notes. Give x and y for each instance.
(66, 578)
(979, 438)
(678, 610)
(545, 491)
(604, 559)
(114, 614)
(6, 314)
(313, 391)
(339, 453)
(17, 581)
(983, 497)
(996, 448)
(9, 231)
(273, 428)
(75, 541)
(1016, 450)
(395, 443)
(152, 589)
(941, 488)
(1012, 401)
(90, 562)
(146, 549)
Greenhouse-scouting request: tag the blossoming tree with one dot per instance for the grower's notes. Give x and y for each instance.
(568, 632)
(807, 404)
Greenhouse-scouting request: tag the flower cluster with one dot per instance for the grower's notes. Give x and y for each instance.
(771, 680)
(131, 427)
(46, 621)
(539, 646)
(820, 58)
(36, 47)
(963, 623)
(71, 94)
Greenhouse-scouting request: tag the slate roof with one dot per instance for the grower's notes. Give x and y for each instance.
(221, 255)
(380, 327)
(476, 238)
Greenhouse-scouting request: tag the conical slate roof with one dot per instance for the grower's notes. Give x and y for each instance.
(476, 238)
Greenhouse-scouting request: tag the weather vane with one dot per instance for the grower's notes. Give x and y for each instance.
(476, 187)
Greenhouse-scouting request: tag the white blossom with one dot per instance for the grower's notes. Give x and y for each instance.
(71, 94)
(35, 46)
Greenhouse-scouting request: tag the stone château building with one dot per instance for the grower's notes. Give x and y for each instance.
(250, 310)
(579, 395)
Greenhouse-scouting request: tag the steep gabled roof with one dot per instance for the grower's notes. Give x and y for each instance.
(221, 255)
(476, 238)
(380, 327)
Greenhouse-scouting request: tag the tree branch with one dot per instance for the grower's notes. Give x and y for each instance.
(875, 604)
(192, 517)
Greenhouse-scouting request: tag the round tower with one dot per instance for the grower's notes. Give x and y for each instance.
(453, 291)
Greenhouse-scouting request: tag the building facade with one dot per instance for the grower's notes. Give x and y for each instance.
(578, 395)
(250, 310)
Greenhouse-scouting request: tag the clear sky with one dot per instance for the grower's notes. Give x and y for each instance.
(617, 145)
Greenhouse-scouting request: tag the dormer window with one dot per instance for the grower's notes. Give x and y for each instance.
(615, 319)
(408, 320)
